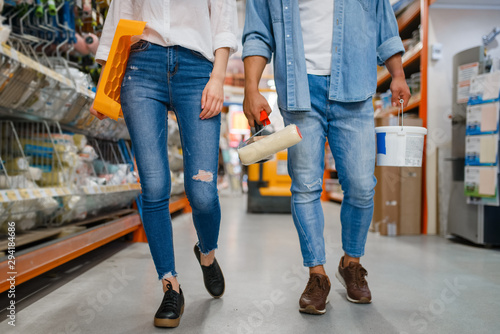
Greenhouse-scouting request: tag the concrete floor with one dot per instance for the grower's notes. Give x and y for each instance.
(421, 284)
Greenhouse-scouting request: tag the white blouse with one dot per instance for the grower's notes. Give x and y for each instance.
(199, 25)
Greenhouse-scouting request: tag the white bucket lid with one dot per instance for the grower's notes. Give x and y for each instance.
(401, 129)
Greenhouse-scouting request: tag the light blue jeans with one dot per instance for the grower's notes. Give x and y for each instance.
(349, 128)
(158, 79)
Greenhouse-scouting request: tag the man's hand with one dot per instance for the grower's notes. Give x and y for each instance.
(253, 104)
(96, 113)
(212, 98)
(400, 90)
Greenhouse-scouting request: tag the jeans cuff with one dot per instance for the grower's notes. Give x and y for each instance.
(315, 263)
(170, 274)
(207, 252)
(354, 252)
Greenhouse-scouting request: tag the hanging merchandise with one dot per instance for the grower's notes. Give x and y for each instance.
(482, 140)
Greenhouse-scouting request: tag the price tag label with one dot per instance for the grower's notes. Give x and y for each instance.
(26, 194)
(37, 193)
(13, 195)
(3, 197)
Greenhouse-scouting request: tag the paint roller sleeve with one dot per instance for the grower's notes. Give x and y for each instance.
(269, 145)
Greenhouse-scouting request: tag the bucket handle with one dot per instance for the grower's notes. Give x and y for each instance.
(401, 101)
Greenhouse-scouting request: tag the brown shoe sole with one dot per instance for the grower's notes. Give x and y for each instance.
(363, 300)
(169, 323)
(310, 309)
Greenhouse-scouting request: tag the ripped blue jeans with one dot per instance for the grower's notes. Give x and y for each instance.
(349, 128)
(158, 79)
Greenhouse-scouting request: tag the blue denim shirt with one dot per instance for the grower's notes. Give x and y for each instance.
(365, 33)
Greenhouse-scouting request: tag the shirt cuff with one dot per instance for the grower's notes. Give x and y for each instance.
(256, 47)
(389, 48)
(102, 53)
(226, 40)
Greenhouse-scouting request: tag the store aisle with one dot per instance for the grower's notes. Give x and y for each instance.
(419, 285)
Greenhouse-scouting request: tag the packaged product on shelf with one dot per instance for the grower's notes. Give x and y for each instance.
(177, 183)
(16, 165)
(483, 118)
(80, 142)
(75, 208)
(485, 88)
(175, 159)
(13, 182)
(54, 178)
(33, 173)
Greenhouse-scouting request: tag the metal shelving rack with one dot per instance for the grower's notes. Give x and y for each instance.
(39, 103)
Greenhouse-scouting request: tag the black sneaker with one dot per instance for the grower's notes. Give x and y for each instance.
(171, 308)
(212, 276)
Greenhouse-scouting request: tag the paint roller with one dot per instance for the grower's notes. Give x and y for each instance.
(260, 148)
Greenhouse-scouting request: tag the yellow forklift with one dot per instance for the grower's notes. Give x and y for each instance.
(269, 186)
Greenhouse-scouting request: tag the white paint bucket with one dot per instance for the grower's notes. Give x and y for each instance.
(400, 146)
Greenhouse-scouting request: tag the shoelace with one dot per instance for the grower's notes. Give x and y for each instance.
(213, 274)
(359, 273)
(315, 282)
(170, 300)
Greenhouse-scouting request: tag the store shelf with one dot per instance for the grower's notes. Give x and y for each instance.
(17, 56)
(413, 104)
(410, 14)
(44, 258)
(408, 58)
(14, 195)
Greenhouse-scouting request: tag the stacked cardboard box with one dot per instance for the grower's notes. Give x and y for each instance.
(398, 194)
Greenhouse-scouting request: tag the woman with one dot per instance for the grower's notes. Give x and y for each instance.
(179, 64)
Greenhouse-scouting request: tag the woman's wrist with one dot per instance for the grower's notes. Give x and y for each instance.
(218, 76)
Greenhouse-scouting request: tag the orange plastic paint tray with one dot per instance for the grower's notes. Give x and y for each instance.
(107, 98)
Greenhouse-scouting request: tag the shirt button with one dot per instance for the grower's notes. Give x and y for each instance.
(289, 63)
(286, 7)
(287, 35)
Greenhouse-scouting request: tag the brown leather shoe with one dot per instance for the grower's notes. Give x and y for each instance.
(353, 279)
(314, 297)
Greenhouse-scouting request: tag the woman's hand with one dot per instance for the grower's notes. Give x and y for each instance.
(212, 98)
(96, 113)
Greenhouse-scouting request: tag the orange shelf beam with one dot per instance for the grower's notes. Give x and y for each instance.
(424, 21)
(410, 14)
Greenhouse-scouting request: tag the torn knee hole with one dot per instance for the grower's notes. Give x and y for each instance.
(204, 176)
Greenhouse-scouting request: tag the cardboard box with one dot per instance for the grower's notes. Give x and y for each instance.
(398, 200)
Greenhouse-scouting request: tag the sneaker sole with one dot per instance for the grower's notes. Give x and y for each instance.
(363, 300)
(169, 323)
(310, 309)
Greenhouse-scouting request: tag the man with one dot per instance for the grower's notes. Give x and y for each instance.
(325, 57)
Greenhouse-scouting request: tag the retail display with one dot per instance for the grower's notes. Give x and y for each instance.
(482, 140)
(49, 177)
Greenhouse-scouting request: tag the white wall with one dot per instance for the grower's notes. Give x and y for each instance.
(456, 30)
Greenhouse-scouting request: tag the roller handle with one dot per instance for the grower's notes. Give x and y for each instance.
(264, 119)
